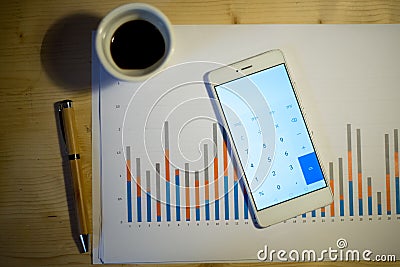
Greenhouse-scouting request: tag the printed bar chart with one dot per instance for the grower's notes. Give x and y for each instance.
(387, 177)
(189, 194)
(158, 152)
(192, 194)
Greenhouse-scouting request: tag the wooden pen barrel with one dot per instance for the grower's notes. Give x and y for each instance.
(71, 139)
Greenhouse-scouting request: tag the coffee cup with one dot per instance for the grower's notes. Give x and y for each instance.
(134, 41)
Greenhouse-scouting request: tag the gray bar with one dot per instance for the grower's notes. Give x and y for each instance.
(348, 137)
(128, 153)
(358, 151)
(206, 162)
(396, 140)
(186, 174)
(137, 167)
(215, 140)
(369, 184)
(158, 192)
(166, 135)
(331, 171)
(148, 181)
(387, 154)
(341, 176)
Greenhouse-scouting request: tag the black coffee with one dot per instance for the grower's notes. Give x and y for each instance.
(137, 44)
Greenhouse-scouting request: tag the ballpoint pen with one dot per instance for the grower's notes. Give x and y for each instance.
(68, 127)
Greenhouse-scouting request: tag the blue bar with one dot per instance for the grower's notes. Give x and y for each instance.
(207, 210)
(217, 209)
(178, 197)
(139, 209)
(226, 197)
(129, 199)
(397, 195)
(341, 207)
(168, 201)
(148, 206)
(313, 213)
(369, 205)
(236, 200)
(379, 209)
(245, 206)
(304, 215)
(351, 198)
(360, 207)
(197, 214)
(322, 213)
(158, 218)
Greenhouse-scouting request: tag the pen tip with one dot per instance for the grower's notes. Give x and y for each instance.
(85, 242)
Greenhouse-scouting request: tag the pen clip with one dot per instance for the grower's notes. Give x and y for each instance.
(60, 106)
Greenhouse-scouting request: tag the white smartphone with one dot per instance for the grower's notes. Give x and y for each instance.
(259, 109)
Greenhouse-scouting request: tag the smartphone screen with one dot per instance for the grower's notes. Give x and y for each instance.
(270, 136)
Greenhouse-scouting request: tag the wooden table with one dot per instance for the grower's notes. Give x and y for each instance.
(45, 55)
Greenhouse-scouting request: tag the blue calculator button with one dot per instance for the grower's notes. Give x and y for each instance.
(310, 168)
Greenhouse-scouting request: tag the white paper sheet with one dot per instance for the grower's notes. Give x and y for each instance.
(347, 77)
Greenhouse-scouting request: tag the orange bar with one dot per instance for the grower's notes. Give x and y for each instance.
(341, 197)
(225, 158)
(388, 206)
(359, 185)
(138, 188)
(196, 184)
(207, 190)
(167, 176)
(128, 171)
(235, 177)
(396, 164)
(176, 172)
(350, 165)
(369, 191)
(216, 178)
(187, 203)
(158, 208)
(323, 209)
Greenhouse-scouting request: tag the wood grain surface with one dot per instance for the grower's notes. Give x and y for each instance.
(45, 57)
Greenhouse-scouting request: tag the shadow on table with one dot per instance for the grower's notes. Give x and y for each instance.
(66, 51)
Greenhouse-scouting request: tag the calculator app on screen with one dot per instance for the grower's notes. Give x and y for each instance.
(270, 136)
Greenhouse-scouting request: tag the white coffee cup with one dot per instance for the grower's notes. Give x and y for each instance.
(113, 22)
